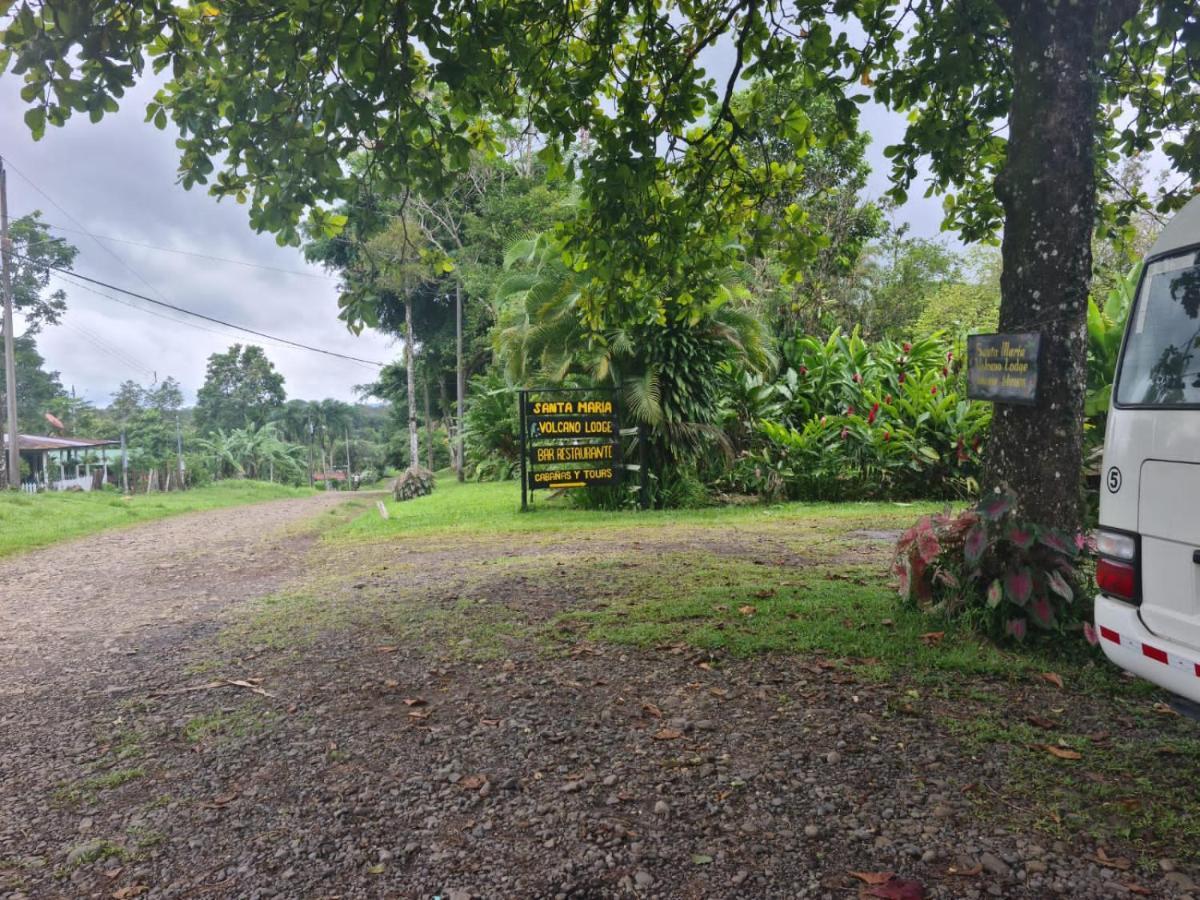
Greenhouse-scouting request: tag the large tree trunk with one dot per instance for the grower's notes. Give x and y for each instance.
(410, 359)
(1048, 189)
(428, 425)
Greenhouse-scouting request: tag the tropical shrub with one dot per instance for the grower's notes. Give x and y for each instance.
(413, 482)
(492, 429)
(991, 565)
(857, 420)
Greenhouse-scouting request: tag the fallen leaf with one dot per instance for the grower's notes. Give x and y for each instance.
(932, 638)
(491, 723)
(1117, 862)
(719, 692)
(377, 869)
(1167, 750)
(874, 877)
(1054, 678)
(415, 701)
(747, 610)
(224, 799)
(418, 714)
(668, 734)
(765, 593)
(1164, 710)
(391, 682)
(1135, 888)
(133, 890)
(112, 874)
(1062, 752)
(897, 889)
(472, 782)
(701, 859)
(721, 607)
(975, 870)
(888, 623)
(389, 648)
(651, 710)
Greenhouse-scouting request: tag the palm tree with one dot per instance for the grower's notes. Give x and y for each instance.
(667, 372)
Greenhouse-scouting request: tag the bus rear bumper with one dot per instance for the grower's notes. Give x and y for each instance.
(1128, 644)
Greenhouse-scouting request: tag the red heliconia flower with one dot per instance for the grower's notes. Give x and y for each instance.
(933, 390)
(906, 346)
(975, 443)
(803, 371)
(949, 355)
(887, 436)
(945, 371)
(845, 433)
(888, 399)
(872, 414)
(902, 377)
(849, 410)
(857, 378)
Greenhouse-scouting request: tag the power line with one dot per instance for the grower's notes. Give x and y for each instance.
(225, 259)
(198, 315)
(105, 347)
(136, 274)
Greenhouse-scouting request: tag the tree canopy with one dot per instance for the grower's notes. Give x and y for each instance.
(241, 388)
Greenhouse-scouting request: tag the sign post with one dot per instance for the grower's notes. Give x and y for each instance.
(1003, 368)
(570, 438)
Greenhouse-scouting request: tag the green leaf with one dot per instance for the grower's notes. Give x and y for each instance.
(35, 118)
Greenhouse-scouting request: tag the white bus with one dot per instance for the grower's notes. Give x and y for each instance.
(1148, 574)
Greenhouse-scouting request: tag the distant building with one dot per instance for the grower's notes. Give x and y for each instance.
(62, 463)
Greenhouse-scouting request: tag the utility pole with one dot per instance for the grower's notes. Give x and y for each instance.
(179, 448)
(124, 465)
(310, 443)
(349, 483)
(461, 377)
(10, 360)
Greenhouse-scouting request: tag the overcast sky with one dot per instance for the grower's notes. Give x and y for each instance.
(118, 178)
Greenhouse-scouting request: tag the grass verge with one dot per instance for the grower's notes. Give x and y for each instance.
(29, 521)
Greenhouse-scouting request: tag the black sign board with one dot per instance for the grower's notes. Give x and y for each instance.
(1003, 368)
(570, 438)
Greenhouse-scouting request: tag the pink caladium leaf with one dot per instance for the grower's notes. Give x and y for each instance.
(1058, 542)
(928, 546)
(994, 508)
(1089, 634)
(975, 543)
(1015, 628)
(1042, 612)
(1018, 584)
(995, 593)
(1059, 585)
(1020, 536)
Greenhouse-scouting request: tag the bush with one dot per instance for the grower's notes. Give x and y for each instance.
(413, 482)
(493, 430)
(858, 420)
(992, 566)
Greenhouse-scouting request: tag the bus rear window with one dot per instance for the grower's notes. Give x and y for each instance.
(1161, 362)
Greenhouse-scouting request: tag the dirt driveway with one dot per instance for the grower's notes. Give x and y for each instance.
(220, 706)
(65, 611)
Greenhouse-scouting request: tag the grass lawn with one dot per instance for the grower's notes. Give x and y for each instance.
(35, 520)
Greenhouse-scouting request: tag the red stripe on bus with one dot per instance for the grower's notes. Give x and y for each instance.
(1154, 653)
(1109, 635)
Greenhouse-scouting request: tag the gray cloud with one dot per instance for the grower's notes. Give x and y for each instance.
(118, 179)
